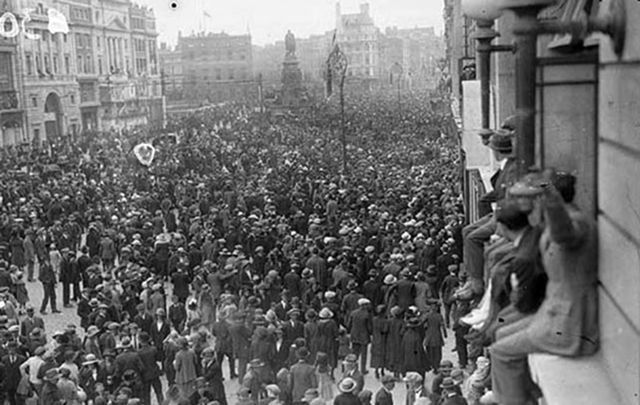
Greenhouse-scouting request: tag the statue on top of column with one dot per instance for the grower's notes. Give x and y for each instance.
(290, 44)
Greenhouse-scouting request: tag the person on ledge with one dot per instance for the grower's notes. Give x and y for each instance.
(566, 323)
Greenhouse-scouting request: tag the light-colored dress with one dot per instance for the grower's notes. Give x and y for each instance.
(325, 385)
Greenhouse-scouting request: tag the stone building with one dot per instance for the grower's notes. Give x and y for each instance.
(12, 122)
(217, 67)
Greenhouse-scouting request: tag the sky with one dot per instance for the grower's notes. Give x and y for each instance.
(269, 20)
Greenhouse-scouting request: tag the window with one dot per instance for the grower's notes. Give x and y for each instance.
(29, 63)
(99, 65)
(55, 64)
(38, 66)
(97, 15)
(34, 101)
(45, 36)
(218, 74)
(47, 65)
(89, 65)
(66, 64)
(79, 66)
(231, 74)
(79, 41)
(87, 41)
(72, 97)
(36, 135)
(64, 38)
(98, 43)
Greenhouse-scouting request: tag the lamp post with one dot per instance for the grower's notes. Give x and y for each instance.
(484, 13)
(338, 65)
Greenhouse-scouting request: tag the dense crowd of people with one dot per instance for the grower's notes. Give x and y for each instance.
(246, 242)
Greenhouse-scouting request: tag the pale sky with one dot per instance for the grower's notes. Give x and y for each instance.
(269, 20)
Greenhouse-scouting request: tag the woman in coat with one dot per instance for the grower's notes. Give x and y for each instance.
(380, 330)
(212, 372)
(433, 337)
(328, 336)
(393, 352)
(185, 364)
(413, 355)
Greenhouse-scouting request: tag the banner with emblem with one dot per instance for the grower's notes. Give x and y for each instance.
(144, 152)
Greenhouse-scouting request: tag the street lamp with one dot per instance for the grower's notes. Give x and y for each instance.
(338, 68)
(484, 13)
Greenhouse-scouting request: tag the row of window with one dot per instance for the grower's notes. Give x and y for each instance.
(214, 55)
(218, 74)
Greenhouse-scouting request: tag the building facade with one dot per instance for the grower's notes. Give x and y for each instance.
(216, 67)
(12, 116)
(101, 75)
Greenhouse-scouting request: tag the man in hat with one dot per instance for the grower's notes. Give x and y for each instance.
(128, 359)
(416, 393)
(50, 394)
(360, 327)
(476, 234)
(12, 375)
(451, 393)
(31, 367)
(351, 371)
(241, 341)
(180, 280)
(30, 322)
(303, 376)
(143, 319)
(252, 380)
(160, 329)
(444, 371)
(348, 395)
(149, 355)
(291, 330)
(384, 396)
(48, 279)
(292, 281)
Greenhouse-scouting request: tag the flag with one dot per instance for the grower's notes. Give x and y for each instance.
(145, 153)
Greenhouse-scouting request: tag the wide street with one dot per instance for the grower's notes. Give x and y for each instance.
(55, 322)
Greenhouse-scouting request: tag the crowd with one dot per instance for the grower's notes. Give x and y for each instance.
(245, 242)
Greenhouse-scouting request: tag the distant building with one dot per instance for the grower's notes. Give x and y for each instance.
(217, 67)
(360, 40)
(171, 72)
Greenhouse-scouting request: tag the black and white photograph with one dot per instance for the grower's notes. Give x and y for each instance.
(319, 202)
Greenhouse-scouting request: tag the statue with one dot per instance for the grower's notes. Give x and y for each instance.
(290, 43)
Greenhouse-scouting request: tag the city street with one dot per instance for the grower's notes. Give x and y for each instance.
(55, 322)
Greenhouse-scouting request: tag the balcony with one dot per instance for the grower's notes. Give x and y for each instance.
(8, 100)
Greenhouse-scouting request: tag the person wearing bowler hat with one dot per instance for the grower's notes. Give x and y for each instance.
(30, 322)
(451, 393)
(360, 328)
(12, 375)
(348, 392)
(327, 336)
(476, 234)
(303, 376)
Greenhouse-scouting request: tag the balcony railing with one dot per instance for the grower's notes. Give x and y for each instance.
(8, 100)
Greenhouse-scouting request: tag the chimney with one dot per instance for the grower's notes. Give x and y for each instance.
(364, 9)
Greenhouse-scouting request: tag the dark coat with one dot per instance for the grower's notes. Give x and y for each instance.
(379, 342)
(328, 339)
(12, 373)
(406, 293)
(413, 355)
(149, 356)
(240, 339)
(346, 399)
(128, 361)
(361, 326)
(180, 282)
(303, 377)
(159, 335)
(393, 354)
(383, 397)
(212, 373)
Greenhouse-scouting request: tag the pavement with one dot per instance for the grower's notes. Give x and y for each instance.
(55, 322)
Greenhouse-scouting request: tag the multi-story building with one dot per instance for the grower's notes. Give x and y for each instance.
(360, 40)
(217, 67)
(101, 75)
(170, 71)
(12, 124)
(416, 51)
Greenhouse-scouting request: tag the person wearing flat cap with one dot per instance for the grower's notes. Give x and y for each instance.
(291, 330)
(360, 327)
(384, 396)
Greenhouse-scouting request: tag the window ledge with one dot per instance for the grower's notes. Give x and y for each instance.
(565, 380)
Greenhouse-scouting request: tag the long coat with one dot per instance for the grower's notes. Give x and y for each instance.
(303, 377)
(394, 353)
(185, 365)
(379, 342)
(213, 375)
(413, 355)
(328, 340)
(361, 326)
(567, 322)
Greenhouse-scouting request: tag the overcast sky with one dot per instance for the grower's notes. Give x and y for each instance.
(269, 20)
